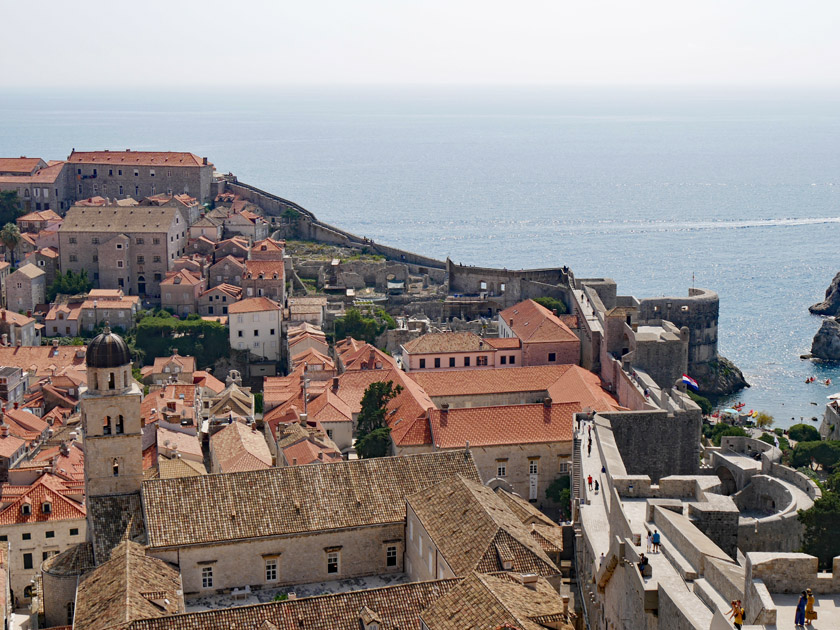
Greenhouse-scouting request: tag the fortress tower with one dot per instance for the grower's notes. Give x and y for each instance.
(111, 420)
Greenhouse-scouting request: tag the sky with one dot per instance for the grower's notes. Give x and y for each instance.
(56, 44)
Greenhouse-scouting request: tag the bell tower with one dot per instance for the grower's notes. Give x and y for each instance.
(111, 419)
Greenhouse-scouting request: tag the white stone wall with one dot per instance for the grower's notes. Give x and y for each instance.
(263, 343)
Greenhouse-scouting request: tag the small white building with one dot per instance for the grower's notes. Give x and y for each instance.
(255, 326)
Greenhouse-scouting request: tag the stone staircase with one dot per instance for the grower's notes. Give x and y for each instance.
(577, 474)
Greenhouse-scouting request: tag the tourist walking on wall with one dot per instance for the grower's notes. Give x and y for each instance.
(655, 540)
(737, 614)
(650, 544)
(589, 448)
(799, 619)
(810, 613)
(597, 487)
(589, 481)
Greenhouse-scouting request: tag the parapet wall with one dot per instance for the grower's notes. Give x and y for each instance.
(791, 572)
(508, 286)
(699, 311)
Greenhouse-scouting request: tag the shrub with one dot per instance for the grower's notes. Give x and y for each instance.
(824, 453)
(803, 433)
(771, 439)
(159, 334)
(552, 304)
(821, 523)
(704, 403)
(714, 432)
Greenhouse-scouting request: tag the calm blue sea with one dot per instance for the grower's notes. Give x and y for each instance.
(735, 191)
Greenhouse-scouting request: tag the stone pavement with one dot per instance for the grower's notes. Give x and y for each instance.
(827, 607)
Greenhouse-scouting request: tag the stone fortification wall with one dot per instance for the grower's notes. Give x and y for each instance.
(699, 311)
(307, 227)
(796, 478)
(508, 286)
(656, 444)
(791, 572)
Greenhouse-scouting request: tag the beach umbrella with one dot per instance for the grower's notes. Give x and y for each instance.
(734, 412)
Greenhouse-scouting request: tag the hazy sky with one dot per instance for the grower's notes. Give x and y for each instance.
(55, 43)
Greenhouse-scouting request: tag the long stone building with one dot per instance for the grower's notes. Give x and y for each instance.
(128, 248)
(139, 174)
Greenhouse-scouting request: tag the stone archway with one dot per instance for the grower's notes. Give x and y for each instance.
(727, 481)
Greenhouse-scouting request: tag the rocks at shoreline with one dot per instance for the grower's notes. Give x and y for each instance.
(719, 378)
(826, 344)
(831, 304)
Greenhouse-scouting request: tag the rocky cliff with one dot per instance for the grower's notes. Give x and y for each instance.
(831, 304)
(719, 378)
(826, 344)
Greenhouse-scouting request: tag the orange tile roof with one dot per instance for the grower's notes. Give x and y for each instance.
(22, 165)
(328, 407)
(70, 465)
(70, 310)
(311, 356)
(491, 380)
(238, 447)
(181, 442)
(9, 445)
(253, 268)
(136, 158)
(253, 305)
(14, 318)
(368, 357)
(181, 277)
(46, 175)
(39, 215)
(510, 424)
(233, 260)
(47, 489)
(205, 379)
(43, 359)
(308, 451)
(186, 363)
(230, 290)
(447, 342)
(502, 343)
(534, 323)
(269, 244)
(25, 425)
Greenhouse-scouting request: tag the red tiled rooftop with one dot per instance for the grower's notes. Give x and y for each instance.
(253, 305)
(136, 158)
(534, 323)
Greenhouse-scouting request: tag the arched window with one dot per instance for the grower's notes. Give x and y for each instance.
(116, 467)
(106, 426)
(120, 425)
(112, 382)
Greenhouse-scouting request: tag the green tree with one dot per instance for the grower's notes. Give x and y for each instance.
(552, 304)
(784, 445)
(10, 237)
(803, 433)
(159, 333)
(821, 523)
(69, 283)
(377, 443)
(374, 403)
(714, 432)
(560, 492)
(763, 420)
(366, 328)
(258, 402)
(704, 403)
(823, 453)
(10, 208)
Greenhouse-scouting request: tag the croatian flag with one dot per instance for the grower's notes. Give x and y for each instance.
(690, 382)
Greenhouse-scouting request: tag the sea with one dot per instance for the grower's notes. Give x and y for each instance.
(661, 189)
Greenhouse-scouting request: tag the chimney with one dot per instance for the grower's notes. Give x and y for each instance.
(16, 405)
(547, 402)
(303, 419)
(529, 580)
(566, 606)
(4, 430)
(321, 455)
(294, 461)
(204, 161)
(5, 338)
(511, 322)
(335, 383)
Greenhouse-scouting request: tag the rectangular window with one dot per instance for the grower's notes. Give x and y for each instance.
(4, 538)
(136, 172)
(120, 264)
(74, 258)
(256, 333)
(391, 556)
(139, 240)
(466, 362)
(74, 531)
(503, 360)
(206, 577)
(141, 260)
(119, 172)
(271, 332)
(437, 362)
(552, 357)
(121, 190)
(239, 333)
(481, 361)
(156, 259)
(155, 241)
(533, 467)
(271, 570)
(96, 258)
(332, 562)
(563, 468)
(110, 172)
(422, 364)
(27, 561)
(72, 240)
(512, 359)
(501, 469)
(151, 172)
(50, 534)
(451, 361)
(256, 344)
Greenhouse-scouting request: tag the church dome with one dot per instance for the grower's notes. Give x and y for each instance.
(107, 350)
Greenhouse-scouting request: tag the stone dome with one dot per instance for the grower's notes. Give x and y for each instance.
(107, 350)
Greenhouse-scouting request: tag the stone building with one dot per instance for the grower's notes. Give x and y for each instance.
(459, 351)
(139, 174)
(25, 288)
(123, 248)
(18, 329)
(227, 270)
(255, 326)
(108, 305)
(180, 291)
(545, 339)
(39, 186)
(39, 521)
(239, 447)
(215, 301)
(278, 534)
(45, 258)
(264, 278)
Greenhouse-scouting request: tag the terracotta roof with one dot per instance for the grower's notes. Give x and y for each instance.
(136, 158)
(328, 407)
(502, 343)
(46, 175)
(253, 268)
(48, 489)
(230, 290)
(311, 356)
(181, 277)
(525, 511)
(398, 606)
(205, 379)
(367, 357)
(10, 445)
(25, 425)
(352, 385)
(277, 501)
(269, 244)
(533, 323)
(43, 359)
(15, 318)
(70, 310)
(173, 468)
(486, 426)
(74, 561)
(187, 363)
(38, 215)
(29, 270)
(474, 530)
(496, 602)
(131, 585)
(447, 342)
(178, 441)
(308, 451)
(20, 166)
(231, 260)
(238, 448)
(253, 305)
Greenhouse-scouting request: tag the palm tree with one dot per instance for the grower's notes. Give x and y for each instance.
(10, 237)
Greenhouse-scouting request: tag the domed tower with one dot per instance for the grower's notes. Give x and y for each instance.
(111, 419)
